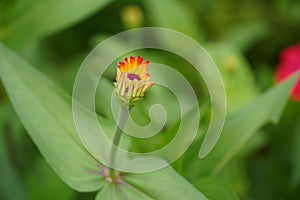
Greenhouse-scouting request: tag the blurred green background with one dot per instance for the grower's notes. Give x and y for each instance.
(243, 37)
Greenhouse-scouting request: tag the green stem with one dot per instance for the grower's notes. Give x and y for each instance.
(122, 119)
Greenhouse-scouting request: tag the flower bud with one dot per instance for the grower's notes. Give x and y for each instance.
(132, 81)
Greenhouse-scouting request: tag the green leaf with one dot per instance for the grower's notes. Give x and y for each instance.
(121, 192)
(240, 126)
(215, 188)
(158, 185)
(243, 36)
(235, 174)
(236, 73)
(42, 18)
(46, 113)
(109, 192)
(175, 15)
(164, 184)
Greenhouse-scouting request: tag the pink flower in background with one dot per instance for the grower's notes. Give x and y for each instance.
(288, 65)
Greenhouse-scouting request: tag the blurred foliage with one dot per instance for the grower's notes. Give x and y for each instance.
(243, 37)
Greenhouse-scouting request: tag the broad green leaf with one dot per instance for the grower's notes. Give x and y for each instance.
(158, 185)
(109, 192)
(121, 192)
(37, 19)
(258, 141)
(236, 73)
(215, 188)
(239, 127)
(175, 15)
(46, 113)
(235, 174)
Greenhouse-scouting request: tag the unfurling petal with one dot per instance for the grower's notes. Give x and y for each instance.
(132, 81)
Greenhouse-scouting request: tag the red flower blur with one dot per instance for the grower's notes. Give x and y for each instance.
(288, 65)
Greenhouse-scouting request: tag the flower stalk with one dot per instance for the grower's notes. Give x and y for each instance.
(122, 119)
(132, 81)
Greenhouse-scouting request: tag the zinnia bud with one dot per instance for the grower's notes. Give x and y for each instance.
(132, 81)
